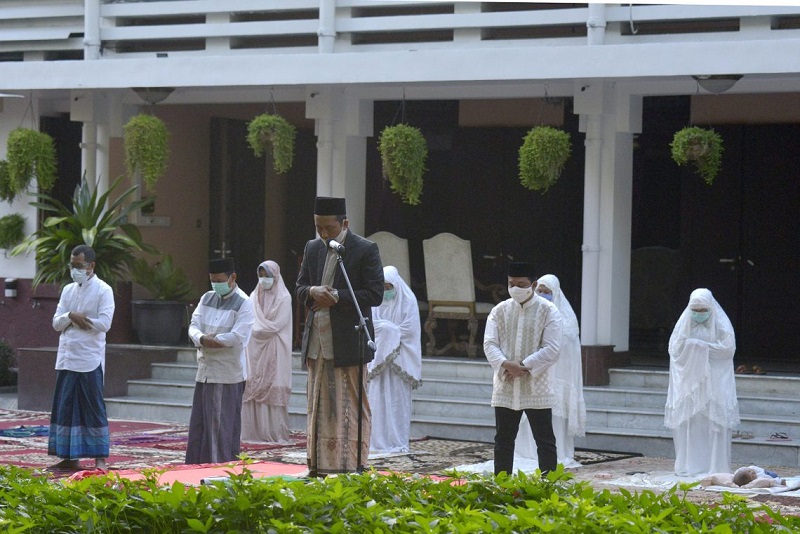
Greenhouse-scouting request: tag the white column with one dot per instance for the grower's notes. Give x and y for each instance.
(91, 29)
(326, 35)
(609, 120)
(343, 122)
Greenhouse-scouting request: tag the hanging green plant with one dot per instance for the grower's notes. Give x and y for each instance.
(701, 146)
(146, 141)
(268, 130)
(404, 152)
(6, 190)
(542, 156)
(12, 230)
(30, 154)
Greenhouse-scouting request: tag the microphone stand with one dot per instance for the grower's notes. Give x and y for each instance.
(362, 327)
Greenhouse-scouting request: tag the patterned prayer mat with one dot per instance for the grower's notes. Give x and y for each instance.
(137, 445)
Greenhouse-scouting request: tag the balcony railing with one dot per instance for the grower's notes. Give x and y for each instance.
(144, 28)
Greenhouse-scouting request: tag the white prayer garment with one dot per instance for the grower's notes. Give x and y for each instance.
(701, 404)
(397, 367)
(569, 408)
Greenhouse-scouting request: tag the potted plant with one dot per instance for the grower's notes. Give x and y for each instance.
(146, 141)
(701, 146)
(404, 152)
(160, 320)
(12, 230)
(542, 156)
(89, 222)
(30, 154)
(272, 131)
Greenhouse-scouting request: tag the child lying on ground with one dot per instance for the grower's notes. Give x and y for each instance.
(744, 477)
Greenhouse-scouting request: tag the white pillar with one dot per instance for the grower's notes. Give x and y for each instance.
(609, 119)
(596, 24)
(91, 29)
(343, 122)
(326, 35)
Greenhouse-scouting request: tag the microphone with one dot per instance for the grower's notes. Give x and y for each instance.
(338, 247)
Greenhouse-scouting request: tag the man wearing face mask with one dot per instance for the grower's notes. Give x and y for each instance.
(78, 422)
(220, 329)
(331, 342)
(521, 342)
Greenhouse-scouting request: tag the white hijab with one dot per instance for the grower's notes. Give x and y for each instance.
(403, 312)
(701, 378)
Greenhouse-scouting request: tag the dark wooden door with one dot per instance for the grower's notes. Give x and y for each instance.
(236, 204)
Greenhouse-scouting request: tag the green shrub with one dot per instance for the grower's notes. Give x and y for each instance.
(30, 154)
(7, 362)
(12, 230)
(404, 152)
(272, 131)
(146, 141)
(370, 502)
(163, 280)
(701, 146)
(542, 156)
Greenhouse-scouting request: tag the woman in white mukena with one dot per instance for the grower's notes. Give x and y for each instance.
(569, 408)
(701, 405)
(397, 367)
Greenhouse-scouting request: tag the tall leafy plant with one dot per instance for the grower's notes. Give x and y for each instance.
(30, 154)
(268, 131)
(163, 279)
(89, 222)
(146, 140)
(542, 156)
(404, 153)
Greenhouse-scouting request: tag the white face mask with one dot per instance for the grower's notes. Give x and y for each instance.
(266, 282)
(79, 276)
(520, 294)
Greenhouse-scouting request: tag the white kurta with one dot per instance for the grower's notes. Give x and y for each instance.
(701, 406)
(397, 367)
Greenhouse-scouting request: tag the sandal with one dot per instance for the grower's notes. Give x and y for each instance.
(779, 436)
(743, 370)
(742, 434)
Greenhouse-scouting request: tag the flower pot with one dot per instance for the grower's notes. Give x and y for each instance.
(159, 322)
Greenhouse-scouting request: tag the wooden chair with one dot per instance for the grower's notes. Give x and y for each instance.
(451, 290)
(394, 251)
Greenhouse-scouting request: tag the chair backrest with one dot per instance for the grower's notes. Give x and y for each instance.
(394, 251)
(448, 269)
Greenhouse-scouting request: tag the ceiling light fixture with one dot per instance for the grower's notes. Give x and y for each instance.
(153, 95)
(717, 83)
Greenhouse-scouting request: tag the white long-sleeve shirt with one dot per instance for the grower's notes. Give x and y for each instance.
(230, 320)
(528, 334)
(83, 350)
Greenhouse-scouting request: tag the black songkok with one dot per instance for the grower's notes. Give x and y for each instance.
(330, 206)
(220, 265)
(520, 268)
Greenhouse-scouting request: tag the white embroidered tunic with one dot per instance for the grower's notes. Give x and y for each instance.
(530, 334)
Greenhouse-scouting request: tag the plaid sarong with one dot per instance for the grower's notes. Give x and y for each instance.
(78, 422)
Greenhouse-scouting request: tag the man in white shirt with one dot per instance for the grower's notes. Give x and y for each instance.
(521, 342)
(220, 329)
(78, 422)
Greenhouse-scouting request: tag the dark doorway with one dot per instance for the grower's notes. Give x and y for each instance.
(738, 237)
(236, 189)
(67, 137)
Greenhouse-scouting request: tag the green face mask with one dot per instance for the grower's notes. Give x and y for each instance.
(222, 288)
(389, 294)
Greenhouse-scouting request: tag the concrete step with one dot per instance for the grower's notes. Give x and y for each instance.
(149, 409)
(177, 372)
(159, 389)
(771, 405)
(770, 384)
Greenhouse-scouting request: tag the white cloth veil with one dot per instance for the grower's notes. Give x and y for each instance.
(701, 378)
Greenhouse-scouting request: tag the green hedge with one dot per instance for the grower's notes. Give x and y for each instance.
(370, 502)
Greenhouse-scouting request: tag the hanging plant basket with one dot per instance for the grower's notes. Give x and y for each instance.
(272, 131)
(12, 230)
(702, 147)
(542, 156)
(30, 154)
(146, 141)
(404, 152)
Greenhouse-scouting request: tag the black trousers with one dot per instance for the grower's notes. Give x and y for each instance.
(507, 426)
